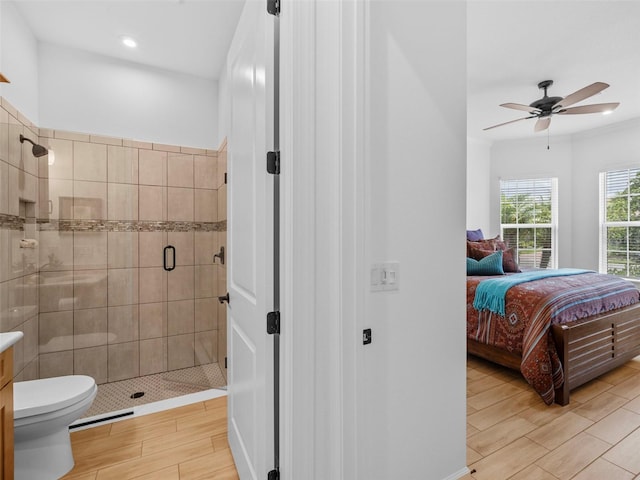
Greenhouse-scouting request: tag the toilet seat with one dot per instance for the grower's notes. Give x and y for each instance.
(38, 397)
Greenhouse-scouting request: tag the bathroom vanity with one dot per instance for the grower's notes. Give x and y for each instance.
(7, 340)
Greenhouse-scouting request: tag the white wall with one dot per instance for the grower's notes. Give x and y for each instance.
(594, 152)
(478, 186)
(224, 105)
(84, 92)
(530, 158)
(19, 62)
(577, 162)
(374, 158)
(412, 420)
(61, 88)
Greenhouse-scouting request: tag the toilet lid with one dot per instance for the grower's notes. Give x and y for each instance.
(35, 397)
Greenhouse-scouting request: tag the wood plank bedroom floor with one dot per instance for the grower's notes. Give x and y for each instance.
(511, 434)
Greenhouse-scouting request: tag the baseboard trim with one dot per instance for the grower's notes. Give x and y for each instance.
(459, 474)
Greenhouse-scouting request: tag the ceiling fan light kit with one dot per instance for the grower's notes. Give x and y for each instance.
(544, 108)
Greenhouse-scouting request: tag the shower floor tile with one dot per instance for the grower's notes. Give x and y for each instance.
(116, 396)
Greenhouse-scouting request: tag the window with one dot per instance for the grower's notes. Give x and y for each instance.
(620, 222)
(528, 220)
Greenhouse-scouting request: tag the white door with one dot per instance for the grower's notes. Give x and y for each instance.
(250, 230)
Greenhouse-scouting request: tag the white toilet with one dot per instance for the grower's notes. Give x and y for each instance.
(43, 411)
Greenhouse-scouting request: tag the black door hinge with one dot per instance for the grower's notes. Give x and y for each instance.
(225, 362)
(273, 7)
(273, 163)
(273, 475)
(225, 178)
(273, 323)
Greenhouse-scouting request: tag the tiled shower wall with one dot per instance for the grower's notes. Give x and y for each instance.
(107, 208)
(18, 266)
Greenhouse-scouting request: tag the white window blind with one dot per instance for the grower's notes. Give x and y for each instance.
(528, 211)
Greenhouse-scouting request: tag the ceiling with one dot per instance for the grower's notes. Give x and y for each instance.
(513, 45)
(187, 36)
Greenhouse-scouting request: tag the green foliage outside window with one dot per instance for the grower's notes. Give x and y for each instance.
(526, 218)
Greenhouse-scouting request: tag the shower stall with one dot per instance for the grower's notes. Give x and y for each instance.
(122, 279)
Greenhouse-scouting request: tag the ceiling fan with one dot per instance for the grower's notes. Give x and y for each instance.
(547, 106)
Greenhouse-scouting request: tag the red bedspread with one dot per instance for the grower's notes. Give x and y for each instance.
(530, 310)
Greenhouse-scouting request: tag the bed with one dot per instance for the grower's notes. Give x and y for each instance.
(558, 331)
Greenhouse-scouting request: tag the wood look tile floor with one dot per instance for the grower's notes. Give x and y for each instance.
(513, 435)
(184, 443)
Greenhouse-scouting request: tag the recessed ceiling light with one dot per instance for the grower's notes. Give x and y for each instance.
(607, 112)
(129, 42)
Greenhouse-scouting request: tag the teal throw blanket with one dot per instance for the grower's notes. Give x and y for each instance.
(490, 293)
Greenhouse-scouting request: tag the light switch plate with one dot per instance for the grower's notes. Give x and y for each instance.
(385, 276)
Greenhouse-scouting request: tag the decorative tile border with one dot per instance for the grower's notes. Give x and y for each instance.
(13, 222)
(129, 226)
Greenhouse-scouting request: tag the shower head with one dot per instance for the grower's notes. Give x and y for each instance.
(37, 150)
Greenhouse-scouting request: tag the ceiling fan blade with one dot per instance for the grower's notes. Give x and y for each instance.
(519, 106)
(595, 108)
(581, 94)
(507, 123)
(542, 124)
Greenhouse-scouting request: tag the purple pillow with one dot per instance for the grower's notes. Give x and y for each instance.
(475, 235)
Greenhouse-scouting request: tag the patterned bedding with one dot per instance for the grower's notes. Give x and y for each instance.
(532, 307)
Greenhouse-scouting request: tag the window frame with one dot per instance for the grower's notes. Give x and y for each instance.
(553, 225)
(604, 224)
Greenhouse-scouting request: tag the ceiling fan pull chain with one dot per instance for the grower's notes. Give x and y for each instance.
(548, 138)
